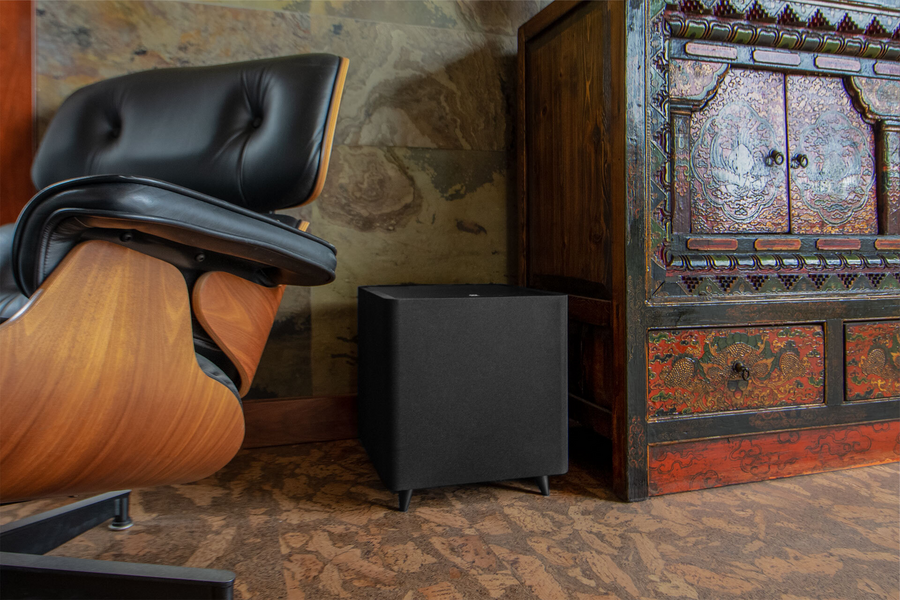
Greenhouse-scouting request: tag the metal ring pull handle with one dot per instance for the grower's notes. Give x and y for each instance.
(774, 158)
(799, 161)
(741, 369)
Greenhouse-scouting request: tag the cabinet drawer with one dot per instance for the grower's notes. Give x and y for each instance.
(695, 371)
(872, 360)
(708, 463)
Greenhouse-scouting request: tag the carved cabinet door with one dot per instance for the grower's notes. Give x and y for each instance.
(832, 159)
(738, 163)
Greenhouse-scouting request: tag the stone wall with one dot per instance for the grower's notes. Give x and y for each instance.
(420, 188)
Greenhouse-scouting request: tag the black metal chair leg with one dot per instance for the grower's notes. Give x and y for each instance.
(122, 518)
(405, 497)
(51, 577)
(544, 483)
(42, 533)
(24, 573)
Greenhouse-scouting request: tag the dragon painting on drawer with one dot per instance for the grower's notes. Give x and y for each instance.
(872, 360)
(713, 370)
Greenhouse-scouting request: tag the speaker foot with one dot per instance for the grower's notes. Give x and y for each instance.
(405, 497)
(544, 483)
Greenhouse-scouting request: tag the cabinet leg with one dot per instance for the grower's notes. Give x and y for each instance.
(544, 483)
(405, 497)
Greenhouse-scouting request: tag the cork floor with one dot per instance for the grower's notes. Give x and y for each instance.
(314, 522)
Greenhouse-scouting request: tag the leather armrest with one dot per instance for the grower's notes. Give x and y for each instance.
(195, 232)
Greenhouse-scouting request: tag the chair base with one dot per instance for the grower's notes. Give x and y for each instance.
(24, 573)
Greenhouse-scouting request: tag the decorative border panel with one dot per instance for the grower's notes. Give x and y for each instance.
(823, 37)
(772, 280)
(701, 464)
(659, 145)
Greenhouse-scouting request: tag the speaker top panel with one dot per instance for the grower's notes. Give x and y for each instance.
(492, 290)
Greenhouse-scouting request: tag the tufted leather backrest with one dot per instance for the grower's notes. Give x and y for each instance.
(256, 134)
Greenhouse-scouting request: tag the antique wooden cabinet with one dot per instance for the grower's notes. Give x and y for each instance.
(716, 184)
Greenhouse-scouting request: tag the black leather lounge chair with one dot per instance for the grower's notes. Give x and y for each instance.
(137, 290)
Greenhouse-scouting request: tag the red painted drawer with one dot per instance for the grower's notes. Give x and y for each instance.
(701, 464)
(872, 360)
(712, 370)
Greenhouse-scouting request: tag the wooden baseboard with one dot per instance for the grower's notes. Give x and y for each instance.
(285, 421)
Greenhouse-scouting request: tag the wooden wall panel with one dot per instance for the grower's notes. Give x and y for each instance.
(701, 464)
(16, 106)
(286, 421)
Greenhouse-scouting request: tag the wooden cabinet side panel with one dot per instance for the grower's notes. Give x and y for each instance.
(574, 216)
(572, 94)
(591, 374)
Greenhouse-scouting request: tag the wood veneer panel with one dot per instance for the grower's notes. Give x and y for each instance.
(238, 315)
(330, 125)
(16, 107)
(100, 388)
(701, 464)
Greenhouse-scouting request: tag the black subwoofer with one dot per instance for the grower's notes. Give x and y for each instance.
(462, 384)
